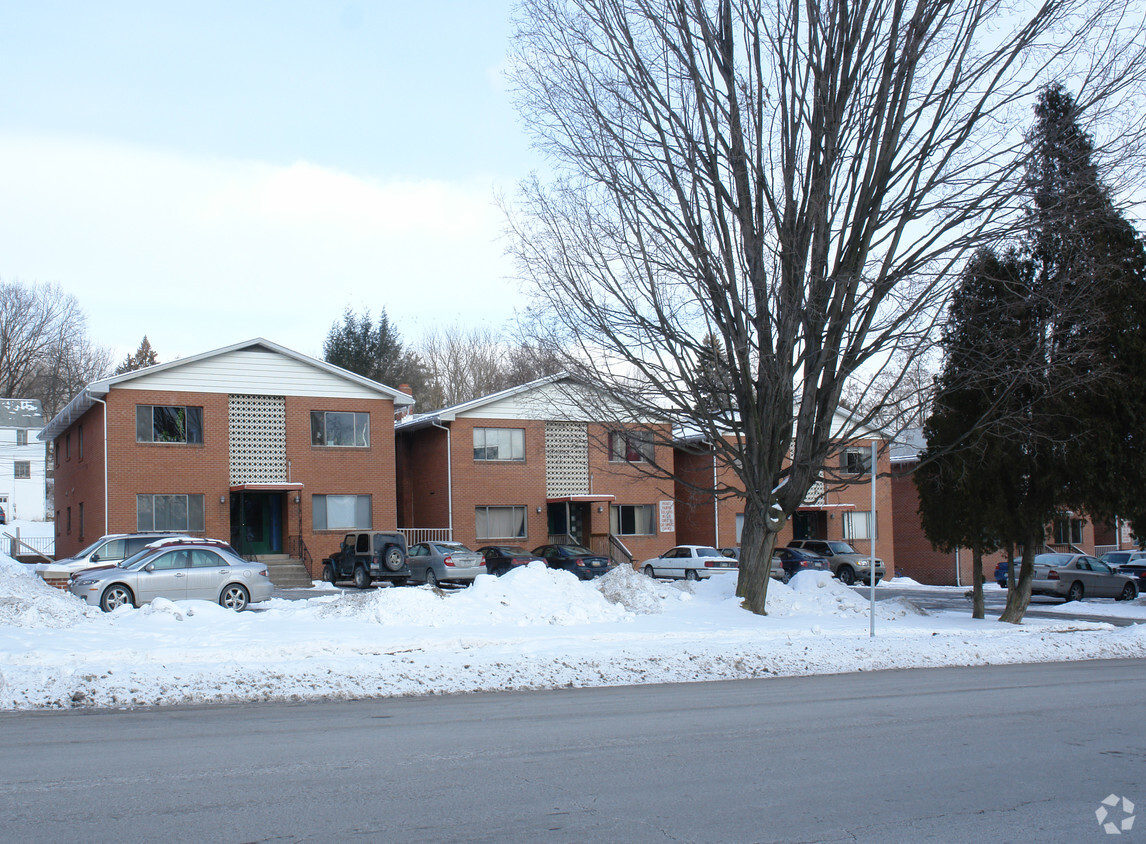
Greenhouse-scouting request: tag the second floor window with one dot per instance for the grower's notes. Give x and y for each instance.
(23, 468)
(21, 436)
(630, 447)
(856, 461)
(339, 428)
(499, 443)
(156, 423)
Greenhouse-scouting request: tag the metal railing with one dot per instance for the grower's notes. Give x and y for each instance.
(297, 549)
(618, 551)
(416, 535)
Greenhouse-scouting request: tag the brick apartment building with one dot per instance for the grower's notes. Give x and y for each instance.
(254, 443)
(528, 466)
(917, 559)
(837, 507)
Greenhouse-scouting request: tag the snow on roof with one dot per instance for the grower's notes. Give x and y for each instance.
(21, 413)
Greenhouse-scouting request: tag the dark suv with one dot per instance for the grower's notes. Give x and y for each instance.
(848, 565)
(366, 556)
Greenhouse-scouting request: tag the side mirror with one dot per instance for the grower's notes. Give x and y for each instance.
(94, 558)
(149, 567)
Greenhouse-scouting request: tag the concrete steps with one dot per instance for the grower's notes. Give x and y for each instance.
(287, 572)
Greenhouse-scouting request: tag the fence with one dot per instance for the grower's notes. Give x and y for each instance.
(416, 535)
(23, 546)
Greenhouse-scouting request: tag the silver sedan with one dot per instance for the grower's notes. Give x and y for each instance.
(444, 562)
(178, 570)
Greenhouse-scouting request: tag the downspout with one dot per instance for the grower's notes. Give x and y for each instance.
(106, 530)
(449, 474)
(715, 508)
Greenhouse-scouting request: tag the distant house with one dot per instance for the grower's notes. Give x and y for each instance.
(532, 465)
(23, 460)
(274, 451)
(837, 507)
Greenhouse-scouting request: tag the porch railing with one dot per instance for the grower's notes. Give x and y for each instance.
(618, 551)
(297, 549)
(23, 546)
(1099, 550)
(416, 535)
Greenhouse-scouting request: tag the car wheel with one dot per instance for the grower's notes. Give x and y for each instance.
(115, 597)
(1075, 593)
(328, 573)
(649, 571)
(235, 598)
(846, 575)
(431, 578)
(1129, 592)
(785, 576)
(361, 577)
(393, 558)
(691, 575)
(501, 571)
(400, 581)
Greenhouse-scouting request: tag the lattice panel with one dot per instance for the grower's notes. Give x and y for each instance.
(258, 439)
(815, 496)
(566, 459)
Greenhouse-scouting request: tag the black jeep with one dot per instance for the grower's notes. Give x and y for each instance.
(366, 556)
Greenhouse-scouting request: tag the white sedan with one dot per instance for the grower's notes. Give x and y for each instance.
(692, 562)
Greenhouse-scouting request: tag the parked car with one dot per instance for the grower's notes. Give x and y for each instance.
(1001, 572)
(692, 562)
(1130, 563)
(789, 562)
(500, 559)
(178, 569)
(366, 556)
(3, 517)
(576, 559)
(110, 549)
(444, 562)
(847, 564)
(1075, 576)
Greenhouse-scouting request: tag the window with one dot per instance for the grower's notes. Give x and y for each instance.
(21, 436)
(69, 522)
(1068, 531)
(81, 520)
(857, 525)
(630, 446)
(22, 468)
(856, 461)
(339, 428)
(163, 424)
(169, 512)
(68, 446)
(499, 443)
(339, 512)
(632, 519)
(80, 444)
(500, 522)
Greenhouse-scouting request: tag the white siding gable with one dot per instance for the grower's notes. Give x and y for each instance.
(548, 402)
(251, 372)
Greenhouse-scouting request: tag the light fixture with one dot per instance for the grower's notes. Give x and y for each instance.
(222, 500)
(600, 509)
(538, 509)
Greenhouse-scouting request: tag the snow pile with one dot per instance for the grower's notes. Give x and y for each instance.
(640, 594)
(818, 593)
(526, 596)
(27, 602)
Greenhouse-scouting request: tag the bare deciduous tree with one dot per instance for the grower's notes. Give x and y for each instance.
(794, 179)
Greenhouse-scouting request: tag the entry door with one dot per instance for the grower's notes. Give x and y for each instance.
(257, 522)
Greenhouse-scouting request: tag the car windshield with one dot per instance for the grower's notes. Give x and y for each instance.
(136, 560)
(91, 548)
(705, 551)
(514, 549)
(574, 550)
(451, 547)
(841, 548)
(1116, 557)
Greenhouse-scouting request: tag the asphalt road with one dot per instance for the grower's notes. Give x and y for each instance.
(1015, 753)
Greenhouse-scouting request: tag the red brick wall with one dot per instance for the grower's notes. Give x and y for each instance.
(180, 468)
(695, 524)
(516, 483)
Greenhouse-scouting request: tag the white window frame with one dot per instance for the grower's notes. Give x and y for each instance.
(857, 525)
(320, 423)
(358, 509)
(518, 515)
(622, 443)
(616, 519)
(191, 507)
(510, 440)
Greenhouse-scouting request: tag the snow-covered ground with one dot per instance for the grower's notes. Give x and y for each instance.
(534, 628)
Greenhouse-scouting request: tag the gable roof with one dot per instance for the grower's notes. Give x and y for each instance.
(449, 414)
(21, 413)
(98, 389)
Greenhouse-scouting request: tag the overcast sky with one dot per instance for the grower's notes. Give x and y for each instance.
(208, 172)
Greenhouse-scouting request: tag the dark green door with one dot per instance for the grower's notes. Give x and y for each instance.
(257, 522)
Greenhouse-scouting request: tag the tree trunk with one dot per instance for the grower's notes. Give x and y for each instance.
(978, 610)
(757, 542)
(1019, 594)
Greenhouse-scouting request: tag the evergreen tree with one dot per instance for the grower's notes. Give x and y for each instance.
(373, 350)
(144, 357)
